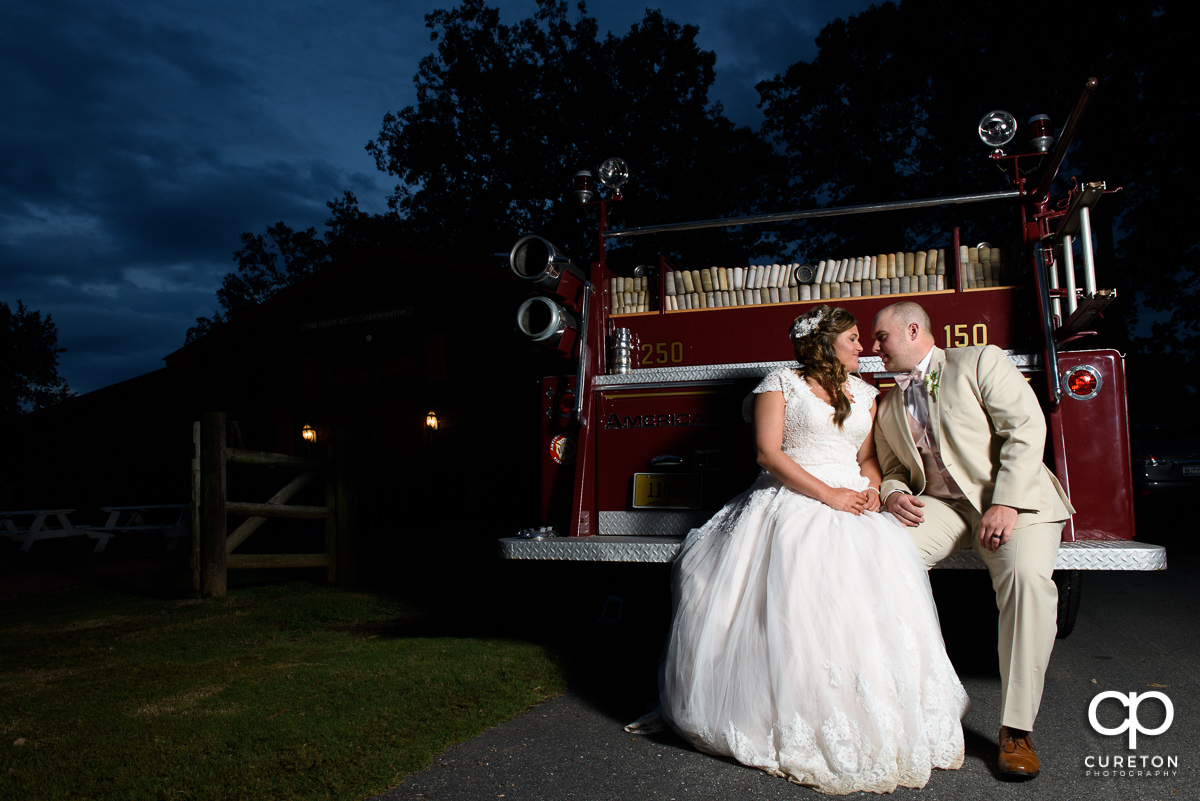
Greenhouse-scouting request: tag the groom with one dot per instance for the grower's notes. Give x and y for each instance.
(960, 444)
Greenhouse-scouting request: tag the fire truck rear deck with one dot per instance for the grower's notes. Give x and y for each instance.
(646, 439)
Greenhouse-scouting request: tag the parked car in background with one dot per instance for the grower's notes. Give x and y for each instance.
(1166, 457)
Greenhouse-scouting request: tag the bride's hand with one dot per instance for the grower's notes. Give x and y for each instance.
(871, 495)
(846, 500)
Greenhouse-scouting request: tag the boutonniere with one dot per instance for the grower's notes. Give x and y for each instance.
(933, 383)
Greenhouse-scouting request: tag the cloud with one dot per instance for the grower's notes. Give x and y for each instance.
(141, 139)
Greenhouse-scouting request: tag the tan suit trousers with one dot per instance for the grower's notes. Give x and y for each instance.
(1026, 596)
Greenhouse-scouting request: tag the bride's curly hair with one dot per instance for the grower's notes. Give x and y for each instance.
(813, 335)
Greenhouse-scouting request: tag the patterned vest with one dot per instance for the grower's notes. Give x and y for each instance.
(938, 482)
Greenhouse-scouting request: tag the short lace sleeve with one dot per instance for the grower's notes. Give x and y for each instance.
(773, 382)
(862, 390)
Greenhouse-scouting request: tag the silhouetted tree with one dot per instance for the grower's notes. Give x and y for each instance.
(267, 263)
(506, 114)
(887, 111)
(29, 378)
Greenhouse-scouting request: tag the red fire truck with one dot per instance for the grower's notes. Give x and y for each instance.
(646, 439)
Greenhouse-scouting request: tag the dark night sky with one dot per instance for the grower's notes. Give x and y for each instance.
(142, 138)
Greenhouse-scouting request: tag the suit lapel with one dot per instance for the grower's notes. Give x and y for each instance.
(937, 364)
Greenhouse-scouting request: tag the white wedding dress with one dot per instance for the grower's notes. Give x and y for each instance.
(805, 640)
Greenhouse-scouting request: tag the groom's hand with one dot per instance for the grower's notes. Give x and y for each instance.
(906, 508)
(996, 525)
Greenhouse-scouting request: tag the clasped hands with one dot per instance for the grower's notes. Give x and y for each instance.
(847, 500)
(995, 526)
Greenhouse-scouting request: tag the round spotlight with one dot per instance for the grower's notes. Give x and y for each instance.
(614, 173)
(997, 128)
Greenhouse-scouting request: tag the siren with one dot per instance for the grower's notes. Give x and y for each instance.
(1040, 136)
(583, 186)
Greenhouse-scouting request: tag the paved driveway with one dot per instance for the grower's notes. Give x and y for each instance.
(1136, 632)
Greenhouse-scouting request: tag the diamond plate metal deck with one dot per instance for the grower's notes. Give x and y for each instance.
(653, 524)
(703, 372)
(1092, 555)
(1089, 555)
(592, 549)
(721, 372)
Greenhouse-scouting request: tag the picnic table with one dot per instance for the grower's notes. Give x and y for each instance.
(27, 526)
(171, 519)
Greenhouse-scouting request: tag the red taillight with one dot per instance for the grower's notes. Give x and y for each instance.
(566, 404)
(1082, 382)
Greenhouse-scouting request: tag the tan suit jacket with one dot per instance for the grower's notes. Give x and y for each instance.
(990, 432)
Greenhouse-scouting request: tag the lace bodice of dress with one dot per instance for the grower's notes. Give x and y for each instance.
(812, 439)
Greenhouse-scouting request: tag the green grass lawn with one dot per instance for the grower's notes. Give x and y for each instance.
(290, 691)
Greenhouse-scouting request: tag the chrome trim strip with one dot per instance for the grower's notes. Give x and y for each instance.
(1088, 555)
(870, 365)
(581, 365)
(702, 372)
(840, 211)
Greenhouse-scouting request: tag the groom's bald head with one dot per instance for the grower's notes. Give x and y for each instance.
(903, 335)
(907, 313)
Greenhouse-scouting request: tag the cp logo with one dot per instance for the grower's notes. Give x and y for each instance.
(1131, 702)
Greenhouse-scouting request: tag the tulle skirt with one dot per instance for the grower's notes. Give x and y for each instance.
(805, 642)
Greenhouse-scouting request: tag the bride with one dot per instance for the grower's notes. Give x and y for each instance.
(805, 640)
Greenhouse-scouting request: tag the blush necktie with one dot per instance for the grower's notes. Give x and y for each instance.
(916, 398)
(907, 379)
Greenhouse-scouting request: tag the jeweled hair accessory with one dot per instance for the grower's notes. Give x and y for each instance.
(807, 324)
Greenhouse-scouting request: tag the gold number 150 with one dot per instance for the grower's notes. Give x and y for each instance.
(960, 338)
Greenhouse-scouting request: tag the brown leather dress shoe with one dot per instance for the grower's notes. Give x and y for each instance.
(1017, 759)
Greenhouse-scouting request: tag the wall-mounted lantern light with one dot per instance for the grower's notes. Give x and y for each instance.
(431, 421)
(308, 433)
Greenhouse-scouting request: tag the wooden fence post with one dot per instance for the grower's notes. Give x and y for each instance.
(348, 568)
(331, 522)
(194, 522)
(213, 573)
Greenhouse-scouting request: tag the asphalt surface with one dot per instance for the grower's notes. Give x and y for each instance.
(1135, 632)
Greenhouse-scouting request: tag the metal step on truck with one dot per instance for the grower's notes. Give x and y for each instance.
(643, 437)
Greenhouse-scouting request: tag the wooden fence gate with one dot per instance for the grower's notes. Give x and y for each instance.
(213, 546)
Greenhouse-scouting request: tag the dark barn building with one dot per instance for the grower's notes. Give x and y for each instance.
(363, 352)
